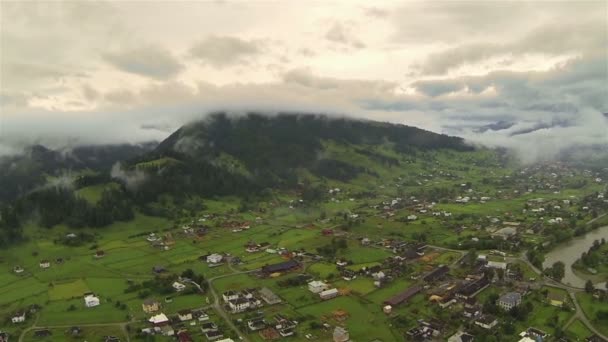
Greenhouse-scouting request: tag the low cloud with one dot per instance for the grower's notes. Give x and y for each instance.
(132, 178)
(149, 61)
(342, 34)
(223, 51)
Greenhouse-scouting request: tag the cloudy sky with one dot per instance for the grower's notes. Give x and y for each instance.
(527, 75)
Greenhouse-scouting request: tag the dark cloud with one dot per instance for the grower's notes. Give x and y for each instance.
(222, 51)
(149, 61)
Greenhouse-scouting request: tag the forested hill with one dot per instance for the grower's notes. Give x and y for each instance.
(39, 165)
(250, 157)
(224, 154)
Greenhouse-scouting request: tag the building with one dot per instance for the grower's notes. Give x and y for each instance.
(403, 296)
(556, 299)
(329, 294)
(184, 315)
(45, 264)
(486, 322)
(150, 305)
(281, 267)
(471, 289)
(91, 301)
(461, 336)
(509, 300)
(268, 296)
(230, 295)
(436, 274)
(18, 317)
(340, 335)
(158, 320)
(497, 265)
(317, 286)
(239, 305)
(178, 286)
(214, 258)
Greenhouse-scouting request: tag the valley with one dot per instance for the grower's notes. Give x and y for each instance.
(368, 240)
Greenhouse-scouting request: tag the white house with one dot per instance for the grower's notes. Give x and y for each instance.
(18, 318)
(497, 264)
(317, 286)
(230, 295)
(239, 305)
(412, 217)
(178, 286)
(329, 294)
(184, 315)
(91, 301)
(159, 319)
(45, 264)
(18, 269)
(214, 258)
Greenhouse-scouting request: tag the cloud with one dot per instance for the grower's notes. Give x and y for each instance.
(341, 34)
(223, 51)
(149, 61)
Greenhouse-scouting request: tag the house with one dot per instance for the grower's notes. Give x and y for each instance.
(100, 254)
(436, 274)
(256, 324)
(225, 340)
(159, 320)
(486, 321)
(206, 327)
(230, 295)
(403, 296)
(45, 264)
(496, 265)
(281, 267)
(461, 336)
(18, 317)
(471, 289)
(268, 296)
(412, 217)
(3, 337)
(18, 269)
(178, 286)
(509, 300)
(556, 299)
(91, 301)
(214, 258)
(150, 305)
(184, 315)
(213, 335)
(340, 335)
(317, 286)
(184, 336)
(328, 294)
(239, 305)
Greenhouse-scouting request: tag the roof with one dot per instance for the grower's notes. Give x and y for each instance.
(510, 297)
(437, 273)
(282, 266)
(150, 301)
(403, 296)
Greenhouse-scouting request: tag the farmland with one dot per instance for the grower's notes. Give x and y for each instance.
(369, 238)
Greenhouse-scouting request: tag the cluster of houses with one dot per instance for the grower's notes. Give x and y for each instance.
(161, 324)
(249, 299)
(280, 326)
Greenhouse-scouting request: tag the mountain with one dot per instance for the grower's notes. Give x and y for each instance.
(222, 154)
(39, 165)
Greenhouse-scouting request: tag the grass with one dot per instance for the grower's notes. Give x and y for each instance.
(578, 331)
(93, 193)
(68, 290)
(591, 307)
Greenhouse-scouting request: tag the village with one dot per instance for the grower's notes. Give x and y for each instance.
(454, 265)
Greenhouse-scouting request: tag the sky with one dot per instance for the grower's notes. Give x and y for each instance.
(531, 76)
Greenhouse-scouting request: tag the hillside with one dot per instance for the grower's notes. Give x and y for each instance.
(226, 155)
(39, 165)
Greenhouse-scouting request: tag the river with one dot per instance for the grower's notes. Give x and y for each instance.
(570, 251)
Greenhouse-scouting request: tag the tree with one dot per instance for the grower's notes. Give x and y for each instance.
(589, 286)
(558, 270)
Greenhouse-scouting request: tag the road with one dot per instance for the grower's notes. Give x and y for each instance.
(216, 298)
(121, 325)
